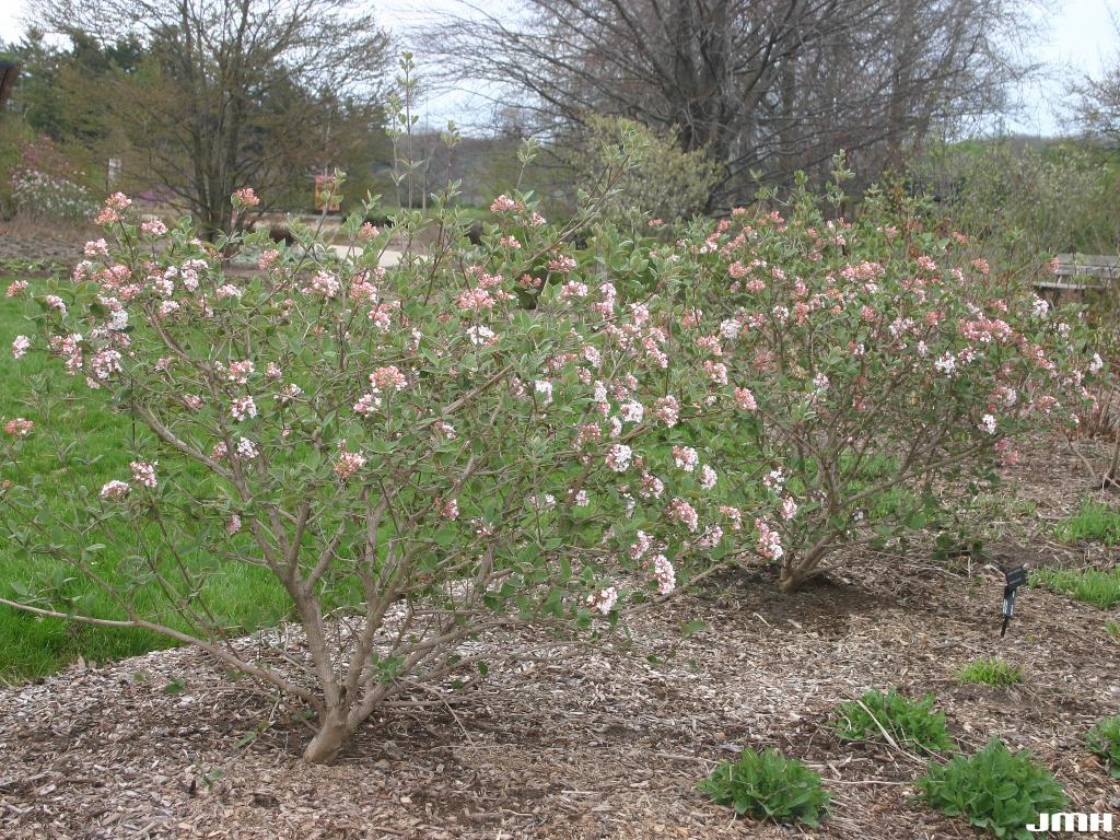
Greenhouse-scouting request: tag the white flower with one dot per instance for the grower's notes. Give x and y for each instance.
(707, 477)
(603, 601)
(618, 457)
(544, 390)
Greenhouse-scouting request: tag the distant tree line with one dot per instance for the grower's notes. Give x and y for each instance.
(765, 88)
(198, 98)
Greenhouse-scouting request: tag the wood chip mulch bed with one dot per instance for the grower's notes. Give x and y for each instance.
(598, 742)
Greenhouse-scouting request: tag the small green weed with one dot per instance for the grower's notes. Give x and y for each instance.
(995, 789)
(990, 670)
(1102, 589)
(1104, 740)
(908, 721)
(767, 785)
(1113, 630)
(1094, 522)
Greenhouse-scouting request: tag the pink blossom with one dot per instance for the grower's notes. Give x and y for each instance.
(573, 289)
(227, 291)
(717, 371)
(589, 433)
(481, 335)
(652, 486)
(118, 201)
(382, 315)
(388, 377)
(632, 411)
(686, 458)
(789, 508)
(665, 573)
(504, 204)
(667, 410)
(563, 264)
(448, 508)
(234, 524)
(15, 288)
(114, 490)
(603, 601)
(445, 430)
(96, 248)
(1009, 456)
(618, 457)
(240, 371)
(144, 473)
(368, 404)
(710, 344)
(769, 541)
(105, 363)
(246, 449)
(55, 302)
(774, 481)
(711, 537)
(744, 400)
(638, 549)
(245, 197)
(349, 463)
(242, 408)
(707, 477)
(581, 499)
(154, 228)
(20, 346)
(20, 427)
(267, 258)
(324, 285)
(681, 511)
(474, 299)
(734, 514)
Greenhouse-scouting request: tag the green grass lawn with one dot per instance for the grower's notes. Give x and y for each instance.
(79, 446)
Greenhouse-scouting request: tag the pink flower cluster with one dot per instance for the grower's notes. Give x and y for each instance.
(20, 427)
(349, 463)
(144, 473)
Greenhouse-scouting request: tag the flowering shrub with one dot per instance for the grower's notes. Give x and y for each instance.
(844, 363)
(519, 433)
(45, 186)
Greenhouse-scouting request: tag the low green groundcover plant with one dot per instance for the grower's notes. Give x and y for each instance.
(991, 670)
(1093, 586)
(767, 785)
(908, 721)
(1104, 740)
(1093, 522)
(995, 789)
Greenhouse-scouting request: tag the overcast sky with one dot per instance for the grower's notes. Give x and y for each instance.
(1081, 38)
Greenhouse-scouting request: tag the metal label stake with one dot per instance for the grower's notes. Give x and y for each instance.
(1015, 578)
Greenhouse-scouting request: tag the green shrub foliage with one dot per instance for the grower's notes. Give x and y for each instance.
(995, 789)
(766, 785)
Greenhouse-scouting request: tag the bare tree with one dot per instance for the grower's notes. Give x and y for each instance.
(1095, 99)
(766, 86)
(234, 92)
